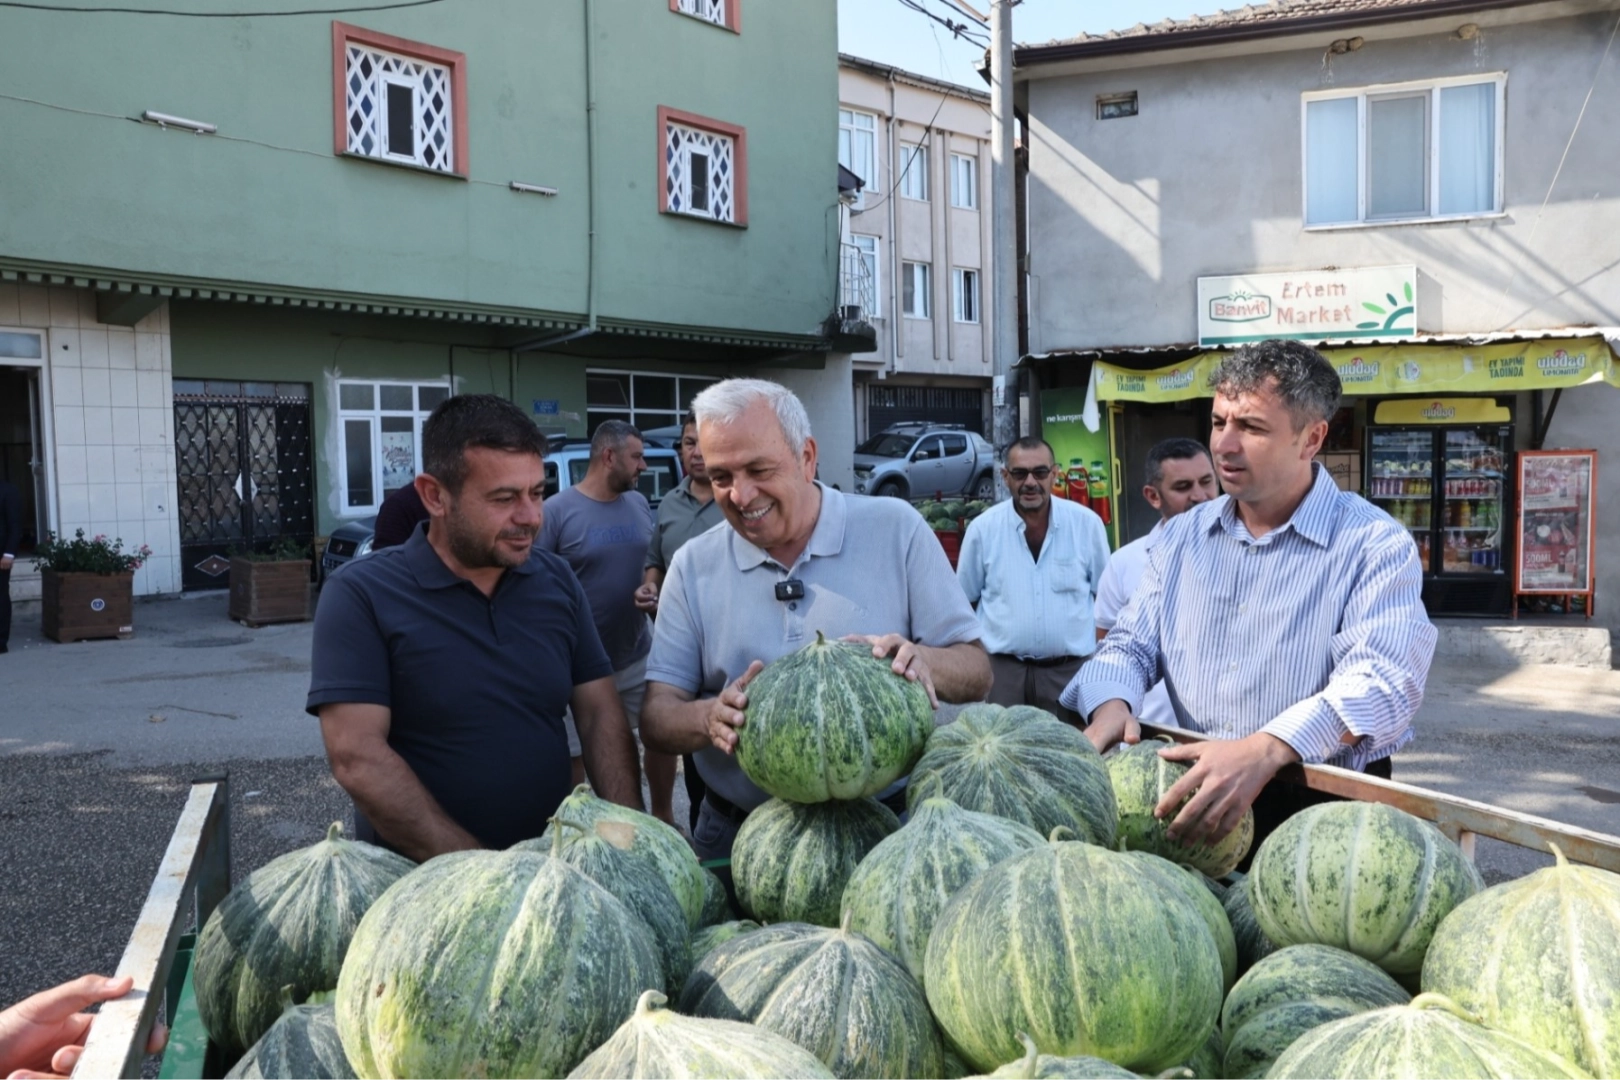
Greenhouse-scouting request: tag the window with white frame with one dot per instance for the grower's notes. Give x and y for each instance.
(965, 181)
(700, 172)
(710, 11)
(965, 295)
(380, 429)
(1408, 152)
(857, 149)
(916, 290)
(865, 274)
(649, 400)
(914, 171)
(399, 108)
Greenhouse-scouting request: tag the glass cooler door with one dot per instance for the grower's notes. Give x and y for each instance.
(1400, 481)
(1472, 506)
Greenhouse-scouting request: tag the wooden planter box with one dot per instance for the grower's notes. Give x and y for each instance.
(270, 592)
(77, 606)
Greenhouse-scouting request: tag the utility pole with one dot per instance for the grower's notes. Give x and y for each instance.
(1003, 232)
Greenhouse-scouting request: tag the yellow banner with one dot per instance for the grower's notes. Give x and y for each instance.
(1467, 410)
(1398, 369)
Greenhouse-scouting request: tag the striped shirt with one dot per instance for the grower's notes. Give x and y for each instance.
(1312, 631)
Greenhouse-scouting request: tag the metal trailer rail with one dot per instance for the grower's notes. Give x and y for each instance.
(197, 864)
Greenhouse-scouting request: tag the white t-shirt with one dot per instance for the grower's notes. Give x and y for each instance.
(1119, 581)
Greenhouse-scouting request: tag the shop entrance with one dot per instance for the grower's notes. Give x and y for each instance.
(22, 449)
(242, 455)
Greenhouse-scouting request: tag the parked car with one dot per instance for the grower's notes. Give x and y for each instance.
(566, 462)
(916, 460)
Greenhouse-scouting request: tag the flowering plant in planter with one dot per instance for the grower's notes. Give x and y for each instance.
(97, 555)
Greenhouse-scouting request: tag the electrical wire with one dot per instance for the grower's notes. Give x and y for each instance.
(963, 30)
(928, 133)
(61, 9)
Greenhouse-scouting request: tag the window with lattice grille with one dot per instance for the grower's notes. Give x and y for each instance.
(400, 101)
(711, 11)
(703, 168)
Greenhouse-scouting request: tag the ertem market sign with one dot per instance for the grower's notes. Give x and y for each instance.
(1377, 303)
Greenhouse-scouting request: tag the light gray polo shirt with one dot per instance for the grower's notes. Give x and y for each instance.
(871, 567)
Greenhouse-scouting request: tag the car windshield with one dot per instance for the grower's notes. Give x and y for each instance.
(887, 445)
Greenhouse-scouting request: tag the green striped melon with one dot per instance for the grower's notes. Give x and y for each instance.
(302, 1044)
(716, 904)
(1035, 1065)
(1539, 958)
(1431, 1037)
(1252, 943)
(657, 1042)
(606, 853)
(287, 924)
(1205, 1063)
(1363, 877)
(1078, 947)
(1141, 778)
(491, 964)
(1295, 990)
(897, 891)
(831, 721)
(656, 841)
(710, 938)
(833, 992)
(791, 861)
(1190, 883)
(1034, 770)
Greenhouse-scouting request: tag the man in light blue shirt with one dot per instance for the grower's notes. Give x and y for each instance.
(1286, 618)
(1031, 566)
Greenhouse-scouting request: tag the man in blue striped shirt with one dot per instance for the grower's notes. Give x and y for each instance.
(1286, 618)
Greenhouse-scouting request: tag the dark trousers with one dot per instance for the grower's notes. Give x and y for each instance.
(695, 789)
(5, 606)
(1280, 800)
(1033, 682)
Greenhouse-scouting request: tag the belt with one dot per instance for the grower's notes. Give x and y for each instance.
(1038, 661)
(737, 815)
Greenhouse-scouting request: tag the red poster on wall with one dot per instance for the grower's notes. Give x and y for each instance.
(1555, 523)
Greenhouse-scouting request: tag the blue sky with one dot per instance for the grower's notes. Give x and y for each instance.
(891, 33)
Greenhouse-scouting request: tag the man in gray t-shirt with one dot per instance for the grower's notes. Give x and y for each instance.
(797, 558)
(601, 527)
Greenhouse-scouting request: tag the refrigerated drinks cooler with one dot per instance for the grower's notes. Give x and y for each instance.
(1448, 484)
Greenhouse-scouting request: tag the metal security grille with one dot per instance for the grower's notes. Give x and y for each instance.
(887, 405)
(708, 10)
(243, 457)
(398, 108)
(698, 172)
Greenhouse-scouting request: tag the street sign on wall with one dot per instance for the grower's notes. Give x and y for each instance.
(1374, 303)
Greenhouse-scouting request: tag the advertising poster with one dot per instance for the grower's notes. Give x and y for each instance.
(398, 459)
(1085, 465)
(1555, 521)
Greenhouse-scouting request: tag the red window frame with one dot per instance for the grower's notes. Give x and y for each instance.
(733, 15)
(739, 176)
(344, 33)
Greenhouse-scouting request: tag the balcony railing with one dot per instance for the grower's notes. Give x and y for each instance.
(857, 287)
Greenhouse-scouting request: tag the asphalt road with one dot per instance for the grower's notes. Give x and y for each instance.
(99, 740)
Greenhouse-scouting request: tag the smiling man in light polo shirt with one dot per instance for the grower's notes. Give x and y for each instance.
(798, 558)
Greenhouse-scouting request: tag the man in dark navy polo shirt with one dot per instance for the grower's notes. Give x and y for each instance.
(442, 667)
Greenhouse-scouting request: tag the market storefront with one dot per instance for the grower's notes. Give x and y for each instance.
(1434, 432)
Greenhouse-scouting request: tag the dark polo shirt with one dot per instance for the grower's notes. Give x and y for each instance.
(476, 685)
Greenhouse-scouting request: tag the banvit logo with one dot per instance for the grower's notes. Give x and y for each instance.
(1240, 307)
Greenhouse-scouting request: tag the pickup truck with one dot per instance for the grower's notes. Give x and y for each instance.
(915, 461)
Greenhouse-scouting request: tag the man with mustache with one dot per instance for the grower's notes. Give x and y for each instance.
(799, 558)
(1031, 566)
(442, 667)
(1286, 617)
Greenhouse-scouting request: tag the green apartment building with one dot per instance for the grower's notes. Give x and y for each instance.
(241, 258)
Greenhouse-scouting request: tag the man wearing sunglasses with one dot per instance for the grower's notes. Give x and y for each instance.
(1030, 566)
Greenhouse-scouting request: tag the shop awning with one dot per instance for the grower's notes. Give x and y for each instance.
(1465, 366)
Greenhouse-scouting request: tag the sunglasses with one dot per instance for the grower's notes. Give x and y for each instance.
(1020, 475)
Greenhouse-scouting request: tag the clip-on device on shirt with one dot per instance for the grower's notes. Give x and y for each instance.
(791, 589)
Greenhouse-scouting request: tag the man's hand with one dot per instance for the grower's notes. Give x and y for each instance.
(1112, 724)
(1225, 779)
(726, 711)
(908, 661)
(647, 598)
(44, 1035)
(6, 561)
